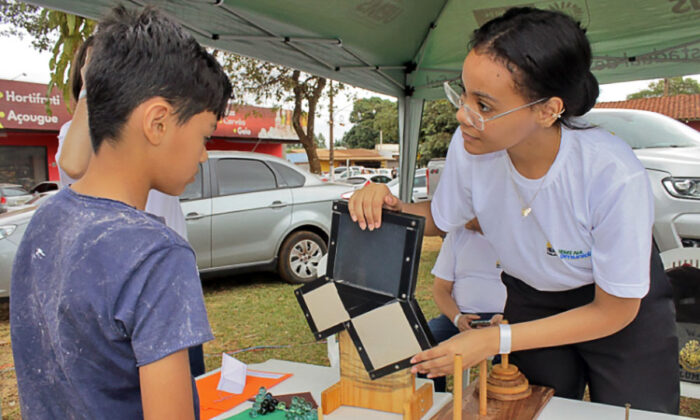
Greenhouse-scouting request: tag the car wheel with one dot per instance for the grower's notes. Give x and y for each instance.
(299, 257)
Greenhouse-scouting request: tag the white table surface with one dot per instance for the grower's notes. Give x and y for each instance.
(315, 379)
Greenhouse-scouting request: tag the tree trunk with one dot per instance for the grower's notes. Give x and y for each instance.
(307, 138)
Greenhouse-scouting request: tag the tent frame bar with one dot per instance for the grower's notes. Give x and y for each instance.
(420, 53)
(288, 41)
(332, 41)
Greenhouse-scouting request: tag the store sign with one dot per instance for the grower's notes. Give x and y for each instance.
(23, 106)
(257, 123)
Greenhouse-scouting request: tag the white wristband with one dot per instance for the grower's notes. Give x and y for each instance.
(505, 339)
(456, 320)
(83, 94)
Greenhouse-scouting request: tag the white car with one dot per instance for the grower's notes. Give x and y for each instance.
(670, 152)
(420, 186)
(359, 181)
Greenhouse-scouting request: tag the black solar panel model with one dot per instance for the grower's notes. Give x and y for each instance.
(369, 290)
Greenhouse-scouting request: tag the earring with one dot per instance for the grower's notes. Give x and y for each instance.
(557, 115)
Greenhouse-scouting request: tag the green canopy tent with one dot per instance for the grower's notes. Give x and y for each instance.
(408, 48)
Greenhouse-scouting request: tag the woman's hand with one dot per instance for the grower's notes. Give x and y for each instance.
(464, 321)
(496, 319)
(366, 205)
(474, 345)
(474, 225)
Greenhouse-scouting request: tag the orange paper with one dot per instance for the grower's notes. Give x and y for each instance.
(213, 402)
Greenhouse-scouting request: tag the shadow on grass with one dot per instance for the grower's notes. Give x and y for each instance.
(4, 309)
(218, 282)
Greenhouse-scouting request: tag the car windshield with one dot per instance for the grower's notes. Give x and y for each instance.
(646, 130)
(13, 191)
(356, 180)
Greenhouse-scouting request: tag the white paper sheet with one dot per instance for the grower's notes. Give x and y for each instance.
(233, 374)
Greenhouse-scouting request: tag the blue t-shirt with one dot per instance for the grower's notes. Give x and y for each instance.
(98, 290)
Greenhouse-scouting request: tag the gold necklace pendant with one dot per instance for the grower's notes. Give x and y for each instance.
(526, 211)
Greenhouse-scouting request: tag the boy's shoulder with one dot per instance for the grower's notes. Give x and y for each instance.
(72, 215)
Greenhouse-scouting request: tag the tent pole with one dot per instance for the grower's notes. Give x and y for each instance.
(410, 113)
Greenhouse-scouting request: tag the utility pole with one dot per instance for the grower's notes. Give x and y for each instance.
(331, 167)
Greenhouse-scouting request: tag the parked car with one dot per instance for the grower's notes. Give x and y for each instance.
(670, 152)
(433, 175)
(44, 186)
(343, 172)
(12, 195)
(359, 181)
(250, 211)
(36, 201)
(12, 227)
(384, 171)
(420, 192)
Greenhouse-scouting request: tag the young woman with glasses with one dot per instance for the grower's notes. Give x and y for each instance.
(568, 210)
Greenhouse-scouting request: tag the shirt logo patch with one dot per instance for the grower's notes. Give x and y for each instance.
(566, 254)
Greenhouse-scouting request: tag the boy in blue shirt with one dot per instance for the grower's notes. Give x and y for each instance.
(106, 299)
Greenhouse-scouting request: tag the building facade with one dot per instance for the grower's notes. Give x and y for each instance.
(30, 121)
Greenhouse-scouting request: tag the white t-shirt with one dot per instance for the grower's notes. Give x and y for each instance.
(159, 204)
(63, 179)
(168, 207)
(591, 220)
(467, 259)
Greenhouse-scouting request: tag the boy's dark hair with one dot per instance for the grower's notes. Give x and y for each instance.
(547, 53)
(142, 54)
(76, 79)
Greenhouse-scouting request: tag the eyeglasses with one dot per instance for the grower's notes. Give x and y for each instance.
(473, 117)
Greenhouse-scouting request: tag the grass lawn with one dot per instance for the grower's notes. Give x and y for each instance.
(254, 310)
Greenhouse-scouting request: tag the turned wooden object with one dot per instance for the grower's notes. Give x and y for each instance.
(507, 383)
(457, 385)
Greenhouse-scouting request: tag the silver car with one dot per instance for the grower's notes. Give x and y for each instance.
(12, 227)
(251, 211)
(670, 151)
(12, 195)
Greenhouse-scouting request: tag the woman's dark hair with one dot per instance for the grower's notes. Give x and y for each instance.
(547, 53)
(139, 55)
(76, 80)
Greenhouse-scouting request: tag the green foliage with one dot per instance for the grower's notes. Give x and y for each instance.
(368, 117)
(360, 136)
(676, 86)
(320, 140)
(437, 127)
(51, 30)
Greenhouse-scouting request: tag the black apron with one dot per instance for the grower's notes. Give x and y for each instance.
(636, 365)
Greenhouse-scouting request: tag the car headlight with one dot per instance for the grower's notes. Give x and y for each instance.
(683, 187)
(7, 230)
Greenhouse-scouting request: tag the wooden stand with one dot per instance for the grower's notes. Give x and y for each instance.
(510, 396)
(395, 393)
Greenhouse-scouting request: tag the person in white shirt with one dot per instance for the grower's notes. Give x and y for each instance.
(74, 154)
(569, 212)
(467, 288)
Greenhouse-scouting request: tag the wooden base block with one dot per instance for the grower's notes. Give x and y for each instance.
(395, 393)
(330, 398)
(419, 403)
(524, 409)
